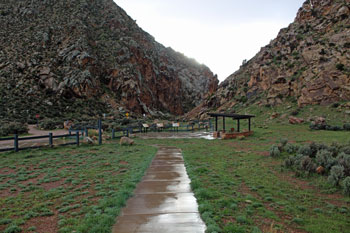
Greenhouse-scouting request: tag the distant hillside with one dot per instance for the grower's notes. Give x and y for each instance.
(73, 58)
(308, 63)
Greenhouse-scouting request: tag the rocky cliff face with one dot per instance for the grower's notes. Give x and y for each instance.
(70, 57)
(308, 62)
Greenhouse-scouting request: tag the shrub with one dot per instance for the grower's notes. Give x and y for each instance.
(305, 150)
(284, 142)
(289, 162)
(274, 151)
(293, 160)
(337, 128)
(346, 150)
(306, 164)
(325, 159)
(344, 161)
(340, 67)
(50, 124)
(291, 148)
(335, 148)
(335, 105)
(337, 173)
(295, 113)
(346, 186)
(12, 128)
(346, 127)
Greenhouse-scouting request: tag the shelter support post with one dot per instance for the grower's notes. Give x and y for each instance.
(223, 124)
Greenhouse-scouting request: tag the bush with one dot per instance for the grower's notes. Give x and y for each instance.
(340, 67)
(305, 150)
(346, 127)
(344, 161)
(337, 173)
(346, 150)
(314, 126)
(295, 113)
(274, 151)
(50, 124)
(293, 160)
(346, 186)
(335, 148)
(7, 128)
(325, 159)
(306, 164)
(291, 148)
(284, 142)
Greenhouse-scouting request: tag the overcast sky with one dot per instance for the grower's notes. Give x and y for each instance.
(217, 33)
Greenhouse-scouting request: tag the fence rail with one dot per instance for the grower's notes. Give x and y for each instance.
(50, 136)
(83, 131)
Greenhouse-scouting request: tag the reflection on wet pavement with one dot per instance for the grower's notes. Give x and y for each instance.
(177, 135)
(163, 201)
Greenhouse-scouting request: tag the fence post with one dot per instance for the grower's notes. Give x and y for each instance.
(127, 132)
(99, 132)
(77, 138)
(50, 140)
(113, 134)
(16, 143)
(86, 132)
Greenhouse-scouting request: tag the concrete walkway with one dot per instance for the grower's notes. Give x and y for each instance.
(163, 201)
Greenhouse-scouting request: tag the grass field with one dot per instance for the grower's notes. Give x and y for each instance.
(68, 189)
(238, 186)
(241, 189)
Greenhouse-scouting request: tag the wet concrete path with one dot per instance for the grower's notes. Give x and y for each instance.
(163, 201)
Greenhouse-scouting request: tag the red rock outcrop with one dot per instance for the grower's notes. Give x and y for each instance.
(74, 53)
(308, 62)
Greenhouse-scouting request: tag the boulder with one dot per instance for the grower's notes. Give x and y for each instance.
(125, 141)
(295, 120)
(89, 140)
(67, 124)
(344, 11)
(320, 121)
(320, 170)
(275, 115)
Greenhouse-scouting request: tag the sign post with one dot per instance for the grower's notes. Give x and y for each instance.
(37, 116)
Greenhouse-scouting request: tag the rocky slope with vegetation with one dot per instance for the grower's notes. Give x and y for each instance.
(82, 58)
(308, 63)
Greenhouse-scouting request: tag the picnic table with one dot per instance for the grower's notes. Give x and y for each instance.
(160, 126)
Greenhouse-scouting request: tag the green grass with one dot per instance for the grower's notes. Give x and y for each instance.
(81, 189)
(241, 189)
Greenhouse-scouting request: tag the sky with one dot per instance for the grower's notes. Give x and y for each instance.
(217, 33)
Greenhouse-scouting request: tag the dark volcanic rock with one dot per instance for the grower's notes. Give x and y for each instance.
(88, 57)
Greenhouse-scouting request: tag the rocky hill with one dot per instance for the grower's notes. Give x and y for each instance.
(308, 63)
(75, 58)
